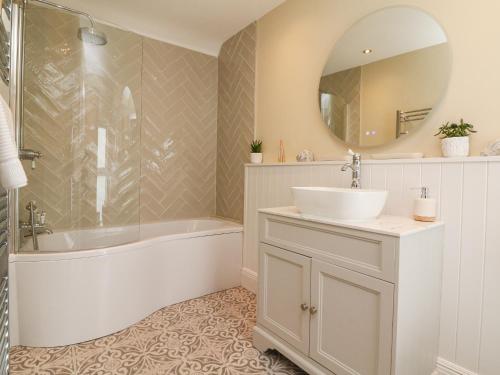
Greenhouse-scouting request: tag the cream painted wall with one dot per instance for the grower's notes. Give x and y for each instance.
(407, 82)
(293, 43)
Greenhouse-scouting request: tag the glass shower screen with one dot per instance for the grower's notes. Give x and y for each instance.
(81, 110)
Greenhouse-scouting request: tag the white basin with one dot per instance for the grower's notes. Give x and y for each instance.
(339, 203)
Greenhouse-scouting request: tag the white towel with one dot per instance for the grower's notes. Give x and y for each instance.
(12, 173)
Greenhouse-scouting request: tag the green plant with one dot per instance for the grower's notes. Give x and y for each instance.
(463, 129)
(256, 146)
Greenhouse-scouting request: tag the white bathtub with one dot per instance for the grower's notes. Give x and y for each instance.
(62, 297)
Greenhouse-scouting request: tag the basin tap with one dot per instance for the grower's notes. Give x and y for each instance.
(355, 166)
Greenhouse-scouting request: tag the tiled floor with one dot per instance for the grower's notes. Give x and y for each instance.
(207, 335)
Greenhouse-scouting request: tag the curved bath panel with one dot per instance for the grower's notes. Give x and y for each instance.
(65, 297)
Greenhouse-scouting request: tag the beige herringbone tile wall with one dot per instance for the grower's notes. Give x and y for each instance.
(179, 133)
(159, 158)
(235, 125)
(167, 145)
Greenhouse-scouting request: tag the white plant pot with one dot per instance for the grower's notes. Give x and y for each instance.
(455, 146)
(256, 158)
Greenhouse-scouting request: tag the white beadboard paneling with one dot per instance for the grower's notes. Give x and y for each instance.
(304, 175)
(322, 175)
(445, 367)
(394, 184)
(412, 181)
(451, 214)
(378, 176)
(468, 194)
(251, 181)
(431, 178)
(342, 179)
(291, 179)
(278, 188)
(490, 329)
(366, 176)
(471, 266)
(269, 193)
(345, 178)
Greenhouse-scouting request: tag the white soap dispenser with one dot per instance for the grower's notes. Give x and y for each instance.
(425, 207)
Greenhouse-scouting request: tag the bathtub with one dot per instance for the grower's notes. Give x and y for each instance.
(65, 296)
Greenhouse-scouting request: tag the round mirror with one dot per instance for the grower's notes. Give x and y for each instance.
(384, 76)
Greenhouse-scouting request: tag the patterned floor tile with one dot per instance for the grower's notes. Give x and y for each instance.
(207, 335)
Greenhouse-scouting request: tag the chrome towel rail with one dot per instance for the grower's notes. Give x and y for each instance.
(403, 117)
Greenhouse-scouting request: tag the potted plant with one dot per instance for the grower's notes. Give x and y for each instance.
(256, 151)
(455, 138)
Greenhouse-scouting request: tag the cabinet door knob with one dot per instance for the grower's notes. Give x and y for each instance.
(304, 306)
(313, 310)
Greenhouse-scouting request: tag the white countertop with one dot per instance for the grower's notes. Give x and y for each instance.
(396, 226)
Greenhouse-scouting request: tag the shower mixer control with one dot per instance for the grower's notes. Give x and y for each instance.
(28, 154)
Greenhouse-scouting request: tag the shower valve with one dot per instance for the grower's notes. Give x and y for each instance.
(28, 154)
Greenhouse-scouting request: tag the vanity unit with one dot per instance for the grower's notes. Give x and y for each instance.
(349, 297)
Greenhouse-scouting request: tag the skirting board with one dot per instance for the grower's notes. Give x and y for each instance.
(445, 367)
(249, 279)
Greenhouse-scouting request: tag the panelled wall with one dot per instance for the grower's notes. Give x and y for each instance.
(468, 194)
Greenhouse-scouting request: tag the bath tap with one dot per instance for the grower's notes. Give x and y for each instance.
(40, 228)
(34, 226)
(355, 166)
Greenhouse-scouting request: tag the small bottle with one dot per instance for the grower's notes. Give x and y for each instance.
(43, 217)
(281, 155)
(425, 207)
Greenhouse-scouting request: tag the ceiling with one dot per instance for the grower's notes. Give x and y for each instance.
(389, 32)
(201, 25)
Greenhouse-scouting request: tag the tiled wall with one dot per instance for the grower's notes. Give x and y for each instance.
(468, 203)
(179, 133)
(158, 161)
(235, 125)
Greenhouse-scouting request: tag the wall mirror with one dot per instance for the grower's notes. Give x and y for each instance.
(384, 76)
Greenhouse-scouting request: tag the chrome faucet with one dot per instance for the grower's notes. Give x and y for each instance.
(35, 225)
(355, 166)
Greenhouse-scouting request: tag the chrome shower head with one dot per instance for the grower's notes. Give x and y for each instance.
(92, 36)
(85, 34)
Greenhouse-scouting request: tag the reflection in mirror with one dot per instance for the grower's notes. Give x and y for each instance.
(384, 76)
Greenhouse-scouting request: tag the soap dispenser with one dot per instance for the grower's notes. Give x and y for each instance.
(425, 207)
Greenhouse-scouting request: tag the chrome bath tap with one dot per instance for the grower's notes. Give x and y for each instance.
(35, 225)
(355, 166)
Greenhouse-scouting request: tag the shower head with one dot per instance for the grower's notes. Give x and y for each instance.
(85, 34)
(92, 36)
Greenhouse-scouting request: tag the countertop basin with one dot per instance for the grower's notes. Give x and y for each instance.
(339, 203)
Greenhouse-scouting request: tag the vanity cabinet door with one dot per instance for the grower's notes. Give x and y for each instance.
(351, 321)
(284, 295)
